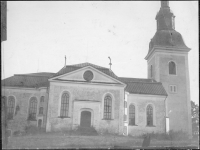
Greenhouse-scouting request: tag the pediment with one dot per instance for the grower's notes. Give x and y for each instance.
(87, 74)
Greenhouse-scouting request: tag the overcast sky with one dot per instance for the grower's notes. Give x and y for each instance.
(41, 33)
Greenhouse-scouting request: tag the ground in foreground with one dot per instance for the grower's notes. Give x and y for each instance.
(60, 140)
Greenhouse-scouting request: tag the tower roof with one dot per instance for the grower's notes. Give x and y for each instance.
(166, 35)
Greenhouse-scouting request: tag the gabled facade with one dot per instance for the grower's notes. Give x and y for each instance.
(93, 99)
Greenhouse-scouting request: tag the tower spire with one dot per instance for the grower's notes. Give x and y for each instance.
(164, 4)
(165, 17)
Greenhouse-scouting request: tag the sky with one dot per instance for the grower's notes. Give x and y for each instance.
(41, 33)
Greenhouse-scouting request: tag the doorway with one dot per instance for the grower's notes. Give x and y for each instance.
(85, 119)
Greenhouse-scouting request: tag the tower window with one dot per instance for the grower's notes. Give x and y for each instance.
(151, 71)
(172, 68)
(173, 88)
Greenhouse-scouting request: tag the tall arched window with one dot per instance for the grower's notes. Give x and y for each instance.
(42, 99)
(64, 112)
(131, 114)
(32, 108)
(10, 107)
(107, 107)
(149, 115)
(151, 71)
(172, 68)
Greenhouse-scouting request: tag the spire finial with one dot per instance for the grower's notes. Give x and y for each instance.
(164, 4)
(110, 63)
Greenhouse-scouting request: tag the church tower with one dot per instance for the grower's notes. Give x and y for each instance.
(167, 61)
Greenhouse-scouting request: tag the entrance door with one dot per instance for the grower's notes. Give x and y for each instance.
(85, 119)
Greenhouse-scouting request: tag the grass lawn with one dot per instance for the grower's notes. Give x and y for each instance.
(59, 140)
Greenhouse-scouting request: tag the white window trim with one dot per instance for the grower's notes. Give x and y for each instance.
(154, 114)
(113, 102)
(70, 102)
(136, 114)
(37, 111)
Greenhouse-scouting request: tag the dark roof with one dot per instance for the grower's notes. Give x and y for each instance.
(154, 88)
(124, 79)
(143, 86)
(46, 74)
(70, 68)
(31, 80)
(167, 38)
(134, 85)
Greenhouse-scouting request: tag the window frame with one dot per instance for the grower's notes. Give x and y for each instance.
(108, 108)
(151, 71)
(129, 116)
(169, 68)
(33, 106)
(10, 110)
(64, 110)
(152, 118)
(173, 89)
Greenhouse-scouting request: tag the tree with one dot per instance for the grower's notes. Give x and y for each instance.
(195, 118)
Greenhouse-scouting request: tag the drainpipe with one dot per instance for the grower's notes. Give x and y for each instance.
(165, 113)
(47, 105)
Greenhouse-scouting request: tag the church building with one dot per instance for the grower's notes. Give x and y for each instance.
(89, 95)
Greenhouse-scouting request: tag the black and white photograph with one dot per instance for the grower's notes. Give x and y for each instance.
(100, 74)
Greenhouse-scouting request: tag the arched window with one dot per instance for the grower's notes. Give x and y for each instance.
(149, 115)
(107, 107)
(41, 111)
(64, 112)
(3, 104)
(131, 115)
(10, 107)
(42, 99)
(32, 108)
(172, 68)
(151, 71)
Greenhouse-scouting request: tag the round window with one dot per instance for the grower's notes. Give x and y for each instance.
(88, 75)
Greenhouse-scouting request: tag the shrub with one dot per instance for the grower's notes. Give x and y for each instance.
(85, 131)
(33, 129)
(178, 135)
(172, 135)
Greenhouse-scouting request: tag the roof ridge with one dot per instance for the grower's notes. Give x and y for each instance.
(30, 75)
(87, 63)
(134, 78)
(145, 82)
